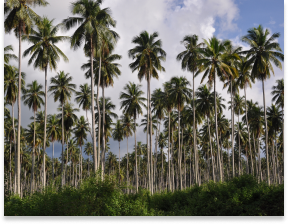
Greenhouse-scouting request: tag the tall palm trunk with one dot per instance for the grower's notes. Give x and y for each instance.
(213, 171)
(17, 155)
(277, 164)
(179, 149)
(239, 148)
(15, 148)
(127, 174)
(119, 164)
(95, 164)
(103, 132)
(232, 129)
(136, 168)
(150, 136)
(169, 170)
(259, 161)
(66, 164)
(194, 134)
(81, 168)
(62, 166)
(33, 159)
(247, 123)
(216, 127)
(45, 124)
(266, 136)
(53, 161)
(10, 177)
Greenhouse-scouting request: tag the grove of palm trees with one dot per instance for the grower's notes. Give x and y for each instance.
(170, 150)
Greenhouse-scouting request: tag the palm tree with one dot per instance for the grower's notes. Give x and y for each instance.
(45, 54)
(243, 81)
(118, 136)
(188, 62)
(54, 132)
(80, 135)
(180, 94)
(278, 98)
(148, 54)
(264, 50)
(11, 79)
(162, 143)
(62, 89)
(93, 29)
(213, 64)
(33, 98)
(20, 18)
(88, 150)
(8, 56)
(132, 103)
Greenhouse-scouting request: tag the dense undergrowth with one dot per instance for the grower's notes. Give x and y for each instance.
(239, 196)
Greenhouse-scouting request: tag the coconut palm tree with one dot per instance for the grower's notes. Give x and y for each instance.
(62, 89)
(263, 52)
(8, 57)
(20, 18)
(180, 94)
(88, 150)
(54, 132)
(80, 134)
(213, 63)
(132, 103)
(33, 98)
(188, 60)
(93, 29)
(118, 136)
(278, 98)
(148, 54)
(162, 143)
(45, 54)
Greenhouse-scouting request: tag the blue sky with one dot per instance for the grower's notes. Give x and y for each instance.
(226, 19)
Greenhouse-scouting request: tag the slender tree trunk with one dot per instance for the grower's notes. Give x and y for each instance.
(150, 137)
(45, 124)
(66, 164)
(103, 132)
(162, 170)
(17, 164)
(147, 140)
(62, 166)
(119, 164)
(95, 163)
(212, 160)
(194, 134)
(136, 167)
(127, 173)
(33, 159)
(179, 149)
(190, 173)
(266, 136)
(277, 164)
(259, 161)
(169, 171)
(239, 148)
(15, 148)
(81, 168)
(10, 177)
(53, 161)
(232, 128)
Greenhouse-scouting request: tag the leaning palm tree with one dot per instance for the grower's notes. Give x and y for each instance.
(93, 29)
(180, 94)
(148, 54)
(20, 18)
(213, 64)
(80, 133)
(188, 63)
(278, 98)
(263, 52)
(33, 98)
(118, 136)
(54, 132)
(62, 89)
(132, 103)
(45, 54)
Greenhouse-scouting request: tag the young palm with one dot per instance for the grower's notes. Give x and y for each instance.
(180, 94)
(132, 103)
(188, 60)
(93, 29)
(88, 150)
(54, 132)
(80, 133)
(33, 98)
(62, 89)
(118, 136)
(264, 51)
(20, 18)
(213, 63)
(278, 98)
(148, 54)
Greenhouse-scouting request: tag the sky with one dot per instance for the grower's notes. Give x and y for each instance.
(225, 19)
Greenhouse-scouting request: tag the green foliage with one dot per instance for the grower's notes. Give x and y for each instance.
(240, 196)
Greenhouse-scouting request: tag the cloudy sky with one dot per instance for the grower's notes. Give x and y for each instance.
(172, 19)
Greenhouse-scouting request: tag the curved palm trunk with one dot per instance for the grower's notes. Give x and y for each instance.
(33, 159)
(62, 166)
(266, 136)
(232, 134)
(247, 123)
(169, 170)
(95, 164)
(136, 167)
(45, 124)
(17, 155)
(216, 127)
(213, 171)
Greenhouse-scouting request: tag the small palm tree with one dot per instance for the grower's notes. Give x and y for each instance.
(263, 51)
(33, 98)
(62, 89)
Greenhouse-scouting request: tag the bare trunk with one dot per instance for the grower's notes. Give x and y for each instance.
(15, 148)
(194, 135)
(232, 134)
(136, 168)
(150, 137)
(45, 124)
(62, 166)
(53, 161)
(212, 160)
(179, 149)
(239, 148)
(127, 174)
(119, 164)
(103, 131)
(169, 171)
